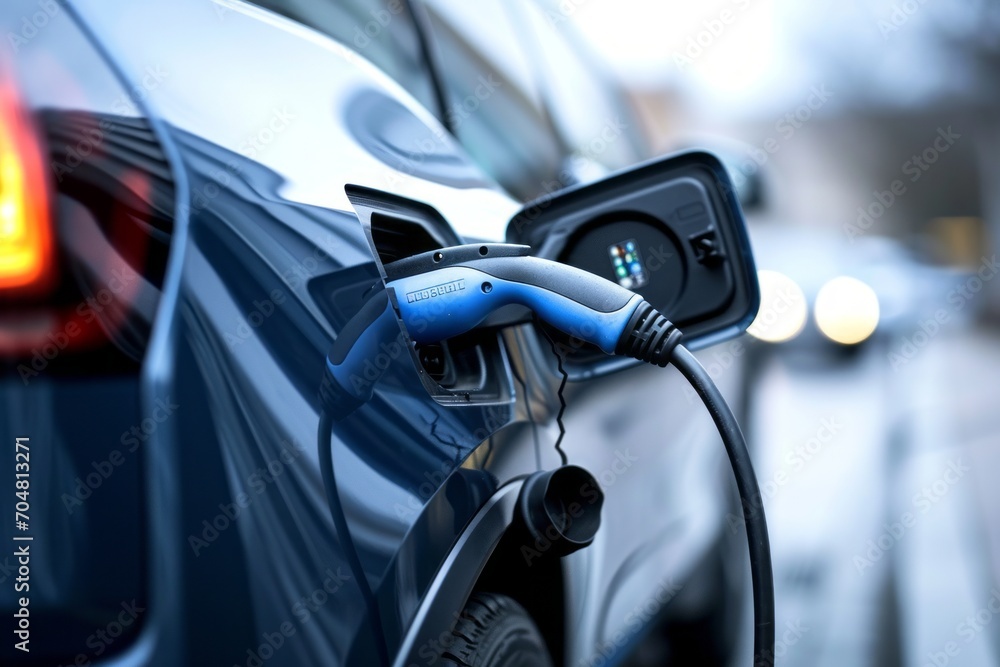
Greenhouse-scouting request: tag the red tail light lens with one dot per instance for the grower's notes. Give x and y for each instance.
(26, 255)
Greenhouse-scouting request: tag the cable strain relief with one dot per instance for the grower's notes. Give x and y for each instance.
(649, 336)
(334, 399)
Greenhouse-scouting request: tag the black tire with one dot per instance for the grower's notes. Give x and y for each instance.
(495, 631)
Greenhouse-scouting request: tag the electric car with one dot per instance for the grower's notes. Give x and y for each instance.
(178, 254)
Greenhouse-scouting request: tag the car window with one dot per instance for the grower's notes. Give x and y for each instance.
(591, 115)
(492, 95)
(523, 98)
(382, 31)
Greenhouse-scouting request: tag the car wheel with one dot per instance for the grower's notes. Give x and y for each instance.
(495, 631)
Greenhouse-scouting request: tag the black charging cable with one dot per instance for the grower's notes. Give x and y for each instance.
(331, 396)
(746, 482)
(651, 337)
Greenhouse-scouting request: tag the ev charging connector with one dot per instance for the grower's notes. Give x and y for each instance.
(440, 294)
(443, 293)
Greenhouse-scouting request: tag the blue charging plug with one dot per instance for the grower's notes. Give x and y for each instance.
(440, 294)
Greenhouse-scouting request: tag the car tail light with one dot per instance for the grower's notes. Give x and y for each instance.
(26, 255)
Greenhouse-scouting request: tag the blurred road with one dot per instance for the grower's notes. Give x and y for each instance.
(881, 501)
